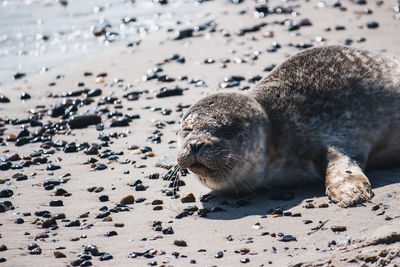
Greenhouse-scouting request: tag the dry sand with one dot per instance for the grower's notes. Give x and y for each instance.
(242, 228)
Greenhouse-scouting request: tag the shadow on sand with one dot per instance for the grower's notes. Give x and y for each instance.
(262, 203)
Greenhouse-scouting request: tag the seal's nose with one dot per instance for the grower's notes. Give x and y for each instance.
(195, 147)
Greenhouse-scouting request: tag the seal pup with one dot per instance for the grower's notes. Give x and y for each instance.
(327, 112)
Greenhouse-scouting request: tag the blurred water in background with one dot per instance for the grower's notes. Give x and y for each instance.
(39, 34)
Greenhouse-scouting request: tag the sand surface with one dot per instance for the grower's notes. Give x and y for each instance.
(249, 230)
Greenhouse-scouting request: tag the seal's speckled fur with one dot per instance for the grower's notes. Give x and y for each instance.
(330, 111)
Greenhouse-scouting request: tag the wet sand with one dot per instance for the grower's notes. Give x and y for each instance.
(257, 230)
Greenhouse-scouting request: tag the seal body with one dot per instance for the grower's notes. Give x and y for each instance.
(325, 113)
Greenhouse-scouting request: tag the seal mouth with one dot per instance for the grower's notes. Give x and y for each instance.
(197, 166)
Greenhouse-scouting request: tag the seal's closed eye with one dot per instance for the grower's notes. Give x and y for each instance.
(228, 131)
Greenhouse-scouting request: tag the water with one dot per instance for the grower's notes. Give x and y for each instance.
(39, 34)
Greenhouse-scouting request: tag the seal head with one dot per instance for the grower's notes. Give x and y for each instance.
(223, 141)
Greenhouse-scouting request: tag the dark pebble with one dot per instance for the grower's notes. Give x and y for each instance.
(155, 175)
(73, 223)
(100, 167)
(6, 193)
(245, 260)
(106, 257)
(61, 192)
(83, 121)
(23, 141)
(121, 122)
(372, 25)
(165, 92)
(338, 228)
(180, 243)
(3, 259)
(57, 111)
(6, 165)
(52, 182)
(182, 34)
(56, 203)
(103, 215)
(19, 75)
(168, 230)
(111, 233)
(340, 27)
(219, 255)
(52, 167)
(3, 248)
(4, 99)
(288, 238)
(86, 263)
(103, 198)
(19, 221)
(32, 246)
(25, 96)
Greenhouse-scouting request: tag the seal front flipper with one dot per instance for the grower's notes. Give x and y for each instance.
(345, 182)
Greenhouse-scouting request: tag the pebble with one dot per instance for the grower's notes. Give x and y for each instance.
(166, 92)
(4, 99)
(219, 255)
(180, 243)
(288, 238)
(59, 254)
(338, 228)
(83, 121)
(106, 257)
(56, 203)
(100, 167)
(6, 193)
(103, 198)
(188, 198)
(129, 199)
(372, 25)
(19, 221)
(182, 34)
(52, 167)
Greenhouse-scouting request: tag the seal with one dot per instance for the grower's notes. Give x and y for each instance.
(325, 113)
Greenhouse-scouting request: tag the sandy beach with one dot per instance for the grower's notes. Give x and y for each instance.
(78, 192)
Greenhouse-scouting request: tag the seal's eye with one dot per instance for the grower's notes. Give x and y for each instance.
(228, 131)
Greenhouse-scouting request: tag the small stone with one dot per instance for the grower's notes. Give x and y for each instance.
(338, 228)
(103, 198)
(4, 99)
(56, 203)
(19, 221)
(106, 257)
(59, 254)
(180, 243)
(288, 238)
(157, 202)
(219, 255)
(372, 25)
(3, 247)
(168, 230)
(188, 198)
(129, 199)
(52, 167)
(111, 233)
(12, 157)
(245, 260)
(119, 225)
(6, 193)
(100, 167)
(83, 121)
(73, 224)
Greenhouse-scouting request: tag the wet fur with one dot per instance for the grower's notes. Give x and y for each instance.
(332, 112)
